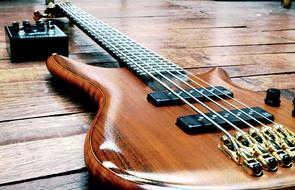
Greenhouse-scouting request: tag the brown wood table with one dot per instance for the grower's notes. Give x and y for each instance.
(43, 121)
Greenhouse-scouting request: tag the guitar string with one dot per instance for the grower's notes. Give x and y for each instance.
(131, 60)
(178, 78)
(187, 72)
(202, 94)
(205, 96)
(176, 85)
(199, 92)
(252, 110)
(213, 111)
(227, 134)
(176, 94)
(221, 116)
(216, 95)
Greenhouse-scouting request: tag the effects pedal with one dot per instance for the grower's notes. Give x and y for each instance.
(29, 42)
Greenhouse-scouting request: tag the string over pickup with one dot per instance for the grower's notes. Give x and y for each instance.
(194, 124)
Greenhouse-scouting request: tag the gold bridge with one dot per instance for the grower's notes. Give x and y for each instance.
(259, 150)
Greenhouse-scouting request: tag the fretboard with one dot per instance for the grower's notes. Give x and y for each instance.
(128, 52)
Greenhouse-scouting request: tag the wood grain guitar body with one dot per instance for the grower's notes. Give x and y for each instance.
(132, 144)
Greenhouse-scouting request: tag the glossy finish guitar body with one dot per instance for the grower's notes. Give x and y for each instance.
(133, 144)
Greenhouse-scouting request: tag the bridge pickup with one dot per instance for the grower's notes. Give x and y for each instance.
(194, 124)
(166, 98)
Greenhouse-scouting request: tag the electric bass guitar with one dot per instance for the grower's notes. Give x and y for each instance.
(159, 126)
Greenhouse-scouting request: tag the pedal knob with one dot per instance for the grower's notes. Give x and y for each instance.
(273, 97)
(15, 27)
(293, 112)
(27, 26)
(40, 26)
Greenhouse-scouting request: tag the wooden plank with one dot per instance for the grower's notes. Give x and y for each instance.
(231, 9)
(188, 59)
(260, 69)
(78, 180)
(28, 160)
(159, 25)
(231, 55)
(24, 74)
(42, 104)
(186, 9)
(27, 130)
(286, 49)
(262, 83)
(135, 8)
(5, 64)
(18, 94)
(23, 100)
(229, 50)
(256, 82)
(283, 61)
(91, 57)
(3, 52)
(194, 28)
(184, 38)
(194, 35)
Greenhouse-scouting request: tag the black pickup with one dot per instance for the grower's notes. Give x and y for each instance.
(166, 98)
(194, 124)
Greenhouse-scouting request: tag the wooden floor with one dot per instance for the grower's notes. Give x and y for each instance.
(43, 122)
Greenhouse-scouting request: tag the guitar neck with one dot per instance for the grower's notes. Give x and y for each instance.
(142, 61)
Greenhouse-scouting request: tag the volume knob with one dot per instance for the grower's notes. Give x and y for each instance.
(273, 97)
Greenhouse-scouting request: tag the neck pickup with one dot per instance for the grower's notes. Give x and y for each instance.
(166, 98)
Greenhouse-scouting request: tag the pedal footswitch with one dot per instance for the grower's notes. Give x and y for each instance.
(29, 42)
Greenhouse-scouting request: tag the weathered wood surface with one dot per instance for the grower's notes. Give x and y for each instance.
(43, 121)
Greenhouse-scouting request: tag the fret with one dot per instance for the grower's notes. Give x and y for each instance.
(123, 48)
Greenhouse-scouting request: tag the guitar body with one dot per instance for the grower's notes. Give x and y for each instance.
(133, 144)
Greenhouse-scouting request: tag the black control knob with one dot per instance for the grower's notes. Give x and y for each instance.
(40, 26)
(27, 26)
(293, 112)
(15, 26)
(273, 97)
